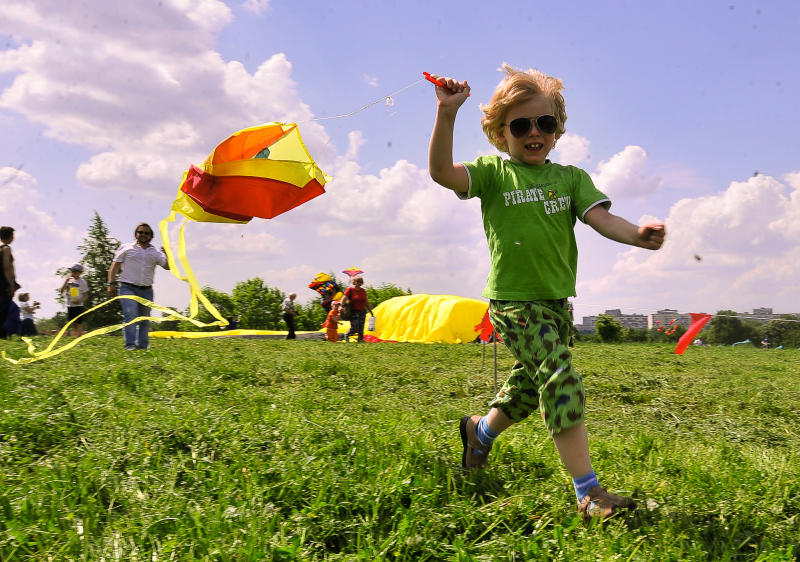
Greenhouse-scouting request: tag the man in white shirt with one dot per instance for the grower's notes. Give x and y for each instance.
(140, 259)
(289, 312)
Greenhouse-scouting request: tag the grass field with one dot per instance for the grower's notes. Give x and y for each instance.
(276, 450)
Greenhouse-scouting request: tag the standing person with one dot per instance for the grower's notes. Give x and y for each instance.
(27, 311)
(289, 312)
(76, 291)
(332, 322)
(8, 277)
(529, 207)
(138, 261)
(359, 305)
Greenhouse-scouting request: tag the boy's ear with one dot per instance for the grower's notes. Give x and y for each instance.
(502, 144)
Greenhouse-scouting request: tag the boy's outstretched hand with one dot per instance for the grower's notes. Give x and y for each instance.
(651, 236)
(451, 93)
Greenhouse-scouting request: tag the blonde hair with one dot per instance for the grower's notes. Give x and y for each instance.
(519, 86)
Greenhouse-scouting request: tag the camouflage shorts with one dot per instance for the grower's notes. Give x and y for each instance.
(537, 333)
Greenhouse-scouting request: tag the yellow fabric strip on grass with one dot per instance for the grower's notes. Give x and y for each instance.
(188, 276)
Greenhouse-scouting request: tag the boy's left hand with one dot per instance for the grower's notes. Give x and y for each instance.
(651, 236)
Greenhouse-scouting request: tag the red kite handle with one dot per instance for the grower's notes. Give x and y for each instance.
(439, 83)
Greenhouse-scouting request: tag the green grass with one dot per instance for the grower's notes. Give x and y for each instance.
(276, 450)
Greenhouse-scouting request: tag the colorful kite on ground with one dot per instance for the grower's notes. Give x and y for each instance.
(427, 318)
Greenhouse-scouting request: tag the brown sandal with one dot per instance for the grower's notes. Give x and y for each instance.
(469, 438)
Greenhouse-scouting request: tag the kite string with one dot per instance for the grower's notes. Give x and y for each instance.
(370, 104)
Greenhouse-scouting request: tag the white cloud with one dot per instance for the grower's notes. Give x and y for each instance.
(236, 239)
(625, 175)
(256, 7)
(401, 200)
(572, 149)
(41, 244)
(793, 179)
(371, 81)
(745, 239)
(141, 85)
(211, 15)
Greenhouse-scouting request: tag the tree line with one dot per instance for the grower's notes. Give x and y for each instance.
(725, 328)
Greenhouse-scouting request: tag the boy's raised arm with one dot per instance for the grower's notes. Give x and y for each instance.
(440, 153)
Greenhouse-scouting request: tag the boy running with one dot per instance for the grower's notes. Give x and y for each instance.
(529, 207)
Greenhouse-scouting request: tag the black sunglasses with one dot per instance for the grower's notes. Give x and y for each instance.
(521, 126)
(144, 232)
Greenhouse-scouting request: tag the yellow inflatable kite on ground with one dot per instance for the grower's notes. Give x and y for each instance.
(428, 319)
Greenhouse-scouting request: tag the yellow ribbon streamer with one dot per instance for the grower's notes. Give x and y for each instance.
(194, 308)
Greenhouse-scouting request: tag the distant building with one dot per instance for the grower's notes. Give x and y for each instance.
(764, 315)
(667, 317)
(637, 321)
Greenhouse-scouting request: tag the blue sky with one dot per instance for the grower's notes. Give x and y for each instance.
(673, 108)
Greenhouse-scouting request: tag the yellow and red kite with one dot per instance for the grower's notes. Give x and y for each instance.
(261, 171)
(257, 172)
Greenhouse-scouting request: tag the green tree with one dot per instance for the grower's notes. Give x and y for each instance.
(384, 292)
(52, 324)
(223, 302)
(608, 328)
(634, 335)
(258, 306)
(726, 328)
(791, 337)
(97, 252)
(784, 331)
(310, 316)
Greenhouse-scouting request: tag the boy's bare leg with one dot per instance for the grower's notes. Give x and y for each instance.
(498, 421)
(573, 448)
(572, 443)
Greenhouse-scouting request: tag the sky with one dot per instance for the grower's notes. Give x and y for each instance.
(684, 112)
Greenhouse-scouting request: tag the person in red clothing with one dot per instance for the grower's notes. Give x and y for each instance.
(359, 305)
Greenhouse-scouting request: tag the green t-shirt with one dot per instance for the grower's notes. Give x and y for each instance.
(529, 215)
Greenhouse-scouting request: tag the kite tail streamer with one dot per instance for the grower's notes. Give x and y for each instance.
(698, 321)
(51, 350)
(188, 275)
